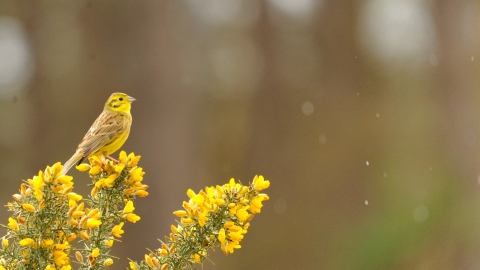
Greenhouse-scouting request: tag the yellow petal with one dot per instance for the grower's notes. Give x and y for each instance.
(109, 242)
(12, 223)
(133, 161)
(26, 242)
(93, 212)
(28, 207)
(74, 196)
(198, 199)
(142, 193)
(95, 252)
(83, 167)
(84, 235)
(5, 243)
(95, 170)
(190, 193)
(119, 168)
(66, 179)
(180, 213)
(133, 218)
(122, 157)
(108, 262)
(117, 230)
(93, 223)
(47, 243)
(129, 207)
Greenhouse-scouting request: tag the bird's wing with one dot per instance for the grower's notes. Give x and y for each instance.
(107, 125)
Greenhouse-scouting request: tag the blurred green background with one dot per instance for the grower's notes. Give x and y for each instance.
(364, 115)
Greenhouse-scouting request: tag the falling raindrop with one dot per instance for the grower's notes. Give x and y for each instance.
(366, 202)
(307, 108)
(368, 163)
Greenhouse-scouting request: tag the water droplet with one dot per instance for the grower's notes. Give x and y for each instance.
(473, 58)
(307, 108)
(366, 202)
(420, 213)
(368, 163)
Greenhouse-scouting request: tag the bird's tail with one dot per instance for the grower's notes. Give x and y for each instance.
(72, 161)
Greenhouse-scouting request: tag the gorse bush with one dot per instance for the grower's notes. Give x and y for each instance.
(48, 217)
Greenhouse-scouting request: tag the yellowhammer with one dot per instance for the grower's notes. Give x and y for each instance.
(108, 133)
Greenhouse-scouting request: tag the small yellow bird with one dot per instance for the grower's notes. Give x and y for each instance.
(108, 133)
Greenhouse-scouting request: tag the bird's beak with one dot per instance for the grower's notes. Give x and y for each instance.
(130, 99)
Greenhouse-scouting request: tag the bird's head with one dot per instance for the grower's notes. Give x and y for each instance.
(119, 102)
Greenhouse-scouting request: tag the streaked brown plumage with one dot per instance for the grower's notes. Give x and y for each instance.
(108, 133)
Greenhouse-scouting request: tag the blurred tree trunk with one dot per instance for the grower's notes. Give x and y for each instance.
(328, 172)
(457, 89)
(459, 101)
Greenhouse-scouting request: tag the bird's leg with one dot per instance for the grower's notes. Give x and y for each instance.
(112, 159)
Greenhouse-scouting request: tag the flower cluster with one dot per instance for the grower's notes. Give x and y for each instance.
(215, 216)
(48, 215)
(40, 223)
(114, 182)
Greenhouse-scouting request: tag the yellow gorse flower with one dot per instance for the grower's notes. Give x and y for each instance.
(37, 183)
(95, 252)
(128, 207)
(217, 215)
(12, 223)
(128, 211)
(109, 242)
(27, 242)
(47, 243)
(28, 207)
(52, 192)
(108, 262)
(117, 230)
(5, 243)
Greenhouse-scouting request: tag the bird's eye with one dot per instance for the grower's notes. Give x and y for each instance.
(121, 99)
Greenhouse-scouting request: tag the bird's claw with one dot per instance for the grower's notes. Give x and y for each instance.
(112, 159)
